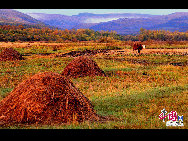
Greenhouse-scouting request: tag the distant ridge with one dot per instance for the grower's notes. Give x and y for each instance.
(82, 20)
(9, 16)
(122, 23)
(171, 22)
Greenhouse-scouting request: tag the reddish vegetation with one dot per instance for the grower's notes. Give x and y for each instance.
(10, 54)
(46, 98)
(82, 66)
(138, 47)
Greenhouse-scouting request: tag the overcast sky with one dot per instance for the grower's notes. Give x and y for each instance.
(102, 11)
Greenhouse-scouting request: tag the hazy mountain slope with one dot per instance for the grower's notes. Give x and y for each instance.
(124, 26)
(12, 16)
(180, 24)
(56, 20)
(172, 22)
(82, 20)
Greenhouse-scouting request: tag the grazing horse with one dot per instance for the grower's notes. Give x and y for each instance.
(138, 47)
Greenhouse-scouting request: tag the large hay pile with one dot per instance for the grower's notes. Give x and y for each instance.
(82, 66)
(10, 54)
(46, 98)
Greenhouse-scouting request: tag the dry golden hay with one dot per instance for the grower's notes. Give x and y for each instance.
(82, 66)
(46, 98)
(10, 54)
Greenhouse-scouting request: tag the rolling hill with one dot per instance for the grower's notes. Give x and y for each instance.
(9, 16)
(180, 24)
(171, 22)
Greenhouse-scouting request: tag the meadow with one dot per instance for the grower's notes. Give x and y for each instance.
(135, 90)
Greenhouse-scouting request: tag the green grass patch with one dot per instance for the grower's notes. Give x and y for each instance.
(109, 105)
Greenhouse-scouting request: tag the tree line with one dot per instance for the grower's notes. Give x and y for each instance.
(21, 33)
(158, 35)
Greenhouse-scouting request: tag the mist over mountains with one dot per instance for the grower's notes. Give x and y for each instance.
(122, 23)
(125, 23)
(86, 20)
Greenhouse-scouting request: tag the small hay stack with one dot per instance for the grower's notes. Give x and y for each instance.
(10, 54)
(46, 98)
(82, 66)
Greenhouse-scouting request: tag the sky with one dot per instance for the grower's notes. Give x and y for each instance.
(70, 12)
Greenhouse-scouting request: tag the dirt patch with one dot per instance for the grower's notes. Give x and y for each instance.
(82, 66)
(81, 53)
(147, 62)
(179, 63)
(182, 52)
(46, 98)
(10, 54)
(131, 60)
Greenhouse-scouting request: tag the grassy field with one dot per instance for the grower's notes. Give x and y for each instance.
(135, 90)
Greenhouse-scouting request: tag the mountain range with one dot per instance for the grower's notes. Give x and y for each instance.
(86, 20)
(122, 23)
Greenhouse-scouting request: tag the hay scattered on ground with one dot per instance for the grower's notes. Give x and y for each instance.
(46, 98)
(10, 54)
(82, 66)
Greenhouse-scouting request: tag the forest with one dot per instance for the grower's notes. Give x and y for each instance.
(14, 33)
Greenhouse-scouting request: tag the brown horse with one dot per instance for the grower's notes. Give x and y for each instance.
(138, 47)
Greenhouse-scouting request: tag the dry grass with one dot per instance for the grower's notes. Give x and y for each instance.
(10, 54)
(46, 98)
(134, 91)
(81, 67)
(150, 51)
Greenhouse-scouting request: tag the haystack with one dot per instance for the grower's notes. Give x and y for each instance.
(82, 66)
(10, 54)
(46, 98)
